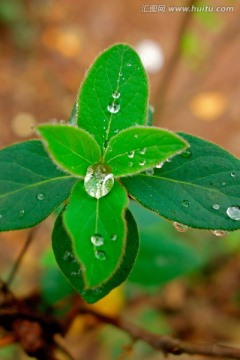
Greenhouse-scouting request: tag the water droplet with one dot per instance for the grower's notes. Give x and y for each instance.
(116, 94)
(113, 108)
(130, 164)
(234, 212)
(116, 131)
(100, 255)
(129, 65)
(40, 196)
(169, 160)
(76, 273)
(219, 232)
(131, 154)
(68, 256)
(143, 151)
(120, 74)
(98, 180)
(114, 237)
(180, 227)
(224, 183)
(97, 240)
(216, 206)
(233, 174)
(187, 153)
(141, 163)
(185, 203)
(160, 165)
(21, 213)
(150, 172)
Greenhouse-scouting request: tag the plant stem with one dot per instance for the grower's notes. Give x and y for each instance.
(169, 72)
(20, 258)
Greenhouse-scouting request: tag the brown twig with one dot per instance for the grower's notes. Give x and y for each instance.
(167, 344)
(169, 71)
(19, 259)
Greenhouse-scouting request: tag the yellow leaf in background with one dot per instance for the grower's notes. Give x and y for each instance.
(208, 106)
(112, 304)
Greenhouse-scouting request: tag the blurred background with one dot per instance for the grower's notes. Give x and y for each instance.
(192, 60)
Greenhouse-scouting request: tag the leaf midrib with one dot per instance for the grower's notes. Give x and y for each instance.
(36, 184)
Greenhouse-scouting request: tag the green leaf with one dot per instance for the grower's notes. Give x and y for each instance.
(163, 255)
(73, 149)
(74, 271)
(139, 148)
(196, 188)
(31, 186)
(116, 82)
(98, 231)
(74, 115)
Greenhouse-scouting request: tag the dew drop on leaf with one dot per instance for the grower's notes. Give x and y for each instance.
(219, 233)
(68, 256)
(187, 153)
(160, 165)
(40, 196)
(150, 172)
(114, 237)
(116, 131)
(180, 227)
(223, 183)
(113, 108)
(98, 180)
(141, 163)
(105, 144)
(100, 255)
(130, 164)
(143, 151)
(76, 273)
(129, 65)
(185, 203)
(131, 154)
(116, 94)
(234, 212)
(97, 240)
(216, 206)
(233, 174)
(21, 213)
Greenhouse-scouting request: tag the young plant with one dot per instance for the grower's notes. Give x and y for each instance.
(107, 152)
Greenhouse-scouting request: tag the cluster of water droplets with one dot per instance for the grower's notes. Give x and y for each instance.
(114, 106)
(97, 241)
(98, 181)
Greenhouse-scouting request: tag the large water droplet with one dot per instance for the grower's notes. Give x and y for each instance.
(131, 154)
(98, 180)
(100, 255)
(185, 203)
(114, 237)
(40, 196)
(143, 151)
(233, 174)
(97, 240)
(21, 213)
(116, 94)
(234, 212)
(187, 153)
(113, 108)
(219, 233)
(142, 163)
(180, 227)
(216, 206)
